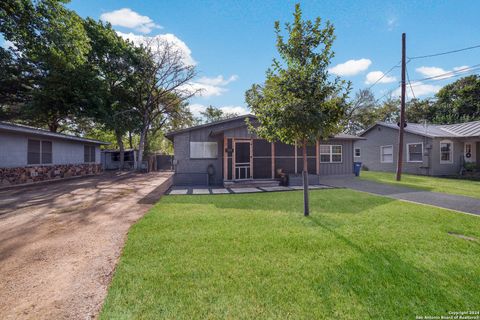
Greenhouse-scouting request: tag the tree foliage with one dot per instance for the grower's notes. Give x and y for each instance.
(299, 100)
(212, 114)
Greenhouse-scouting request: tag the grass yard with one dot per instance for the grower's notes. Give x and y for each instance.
(445, 185)
(254, 256)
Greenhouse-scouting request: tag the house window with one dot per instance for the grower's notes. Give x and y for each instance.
(203, 150)
(39, 152)
(356, 152)
(330, 153)
(88, 154)
(386, 154)
(446, 151)
(415, 152)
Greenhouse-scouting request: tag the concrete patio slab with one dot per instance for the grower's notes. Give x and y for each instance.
(245, 190)
(200, 191)
(178, 191)
(279, 188)
(220, 191)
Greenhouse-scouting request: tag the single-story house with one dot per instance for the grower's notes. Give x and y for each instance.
(29, 154)
(433, 150)
(226, 151)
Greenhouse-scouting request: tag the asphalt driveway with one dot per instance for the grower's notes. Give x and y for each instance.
(448, 201)
(59, 242)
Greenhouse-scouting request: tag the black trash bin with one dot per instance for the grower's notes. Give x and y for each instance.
(356, 168)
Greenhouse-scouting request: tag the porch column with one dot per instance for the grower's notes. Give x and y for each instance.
(225, 158)
(273, 159)
(296, 160)
(233, 159)
(251, 158)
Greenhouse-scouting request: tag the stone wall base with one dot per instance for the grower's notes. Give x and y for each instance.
(22, 175)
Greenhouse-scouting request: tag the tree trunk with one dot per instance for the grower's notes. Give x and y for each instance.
(130, 142)
(306, 209)
(119, 137)
(141, 147)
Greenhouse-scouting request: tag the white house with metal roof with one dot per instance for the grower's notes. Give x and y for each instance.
(434, 150)
(29, 154)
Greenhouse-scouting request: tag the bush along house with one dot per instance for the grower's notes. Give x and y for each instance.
(30, 155)
(226, 152)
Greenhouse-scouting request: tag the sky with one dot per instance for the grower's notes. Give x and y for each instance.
(232, 43)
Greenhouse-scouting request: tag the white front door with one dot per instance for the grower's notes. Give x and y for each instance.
(470, 151)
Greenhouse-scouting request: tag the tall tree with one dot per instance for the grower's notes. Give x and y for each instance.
(212, 114)
(160, 88)
(299, 101)
(108, 80)
(49, 44)
(361, 112)
(458, 101)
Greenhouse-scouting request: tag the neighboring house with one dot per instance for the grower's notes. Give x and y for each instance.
(226, 151)
(29, 155)
(433, 150)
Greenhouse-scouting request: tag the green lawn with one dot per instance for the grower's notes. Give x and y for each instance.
(254, 256)
(445, 185)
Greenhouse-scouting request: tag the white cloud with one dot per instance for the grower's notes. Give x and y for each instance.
(211, 86)
(374, 76)
(440, 73)
(130, 19)
(351, 67)
(170, 38)
(218, 80)
(420, 89)
(196, 108)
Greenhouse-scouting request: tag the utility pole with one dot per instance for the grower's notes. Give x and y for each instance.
(401, 124)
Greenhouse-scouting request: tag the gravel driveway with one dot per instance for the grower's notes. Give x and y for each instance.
(59, 242)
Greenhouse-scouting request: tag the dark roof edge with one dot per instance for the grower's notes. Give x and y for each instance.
(42, 132)
(170, 134)
(391, 127)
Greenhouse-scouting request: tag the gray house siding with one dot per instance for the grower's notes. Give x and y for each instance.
(384, 136)
(13, 150)
(346, 166)
(189, 171)
(194, 171)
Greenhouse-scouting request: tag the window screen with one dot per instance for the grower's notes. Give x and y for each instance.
(386, 154)
(330, 153)
(88, 154)
(33, 153)
(46, 152)
(357, 152)
(446, 152)
(415, 152)
(203, 150)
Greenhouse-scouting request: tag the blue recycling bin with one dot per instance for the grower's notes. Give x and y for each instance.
(356, 168)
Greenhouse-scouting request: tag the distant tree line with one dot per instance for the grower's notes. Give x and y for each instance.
(68, 74)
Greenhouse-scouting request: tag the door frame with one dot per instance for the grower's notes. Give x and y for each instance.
(234, 164)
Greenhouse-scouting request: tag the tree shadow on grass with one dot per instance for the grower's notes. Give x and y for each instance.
(385, 286)
(339, 201)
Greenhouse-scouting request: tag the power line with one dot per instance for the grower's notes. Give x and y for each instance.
(384, 75)
(410, 84)
(389, 92)
(444, 53)
(449, 73)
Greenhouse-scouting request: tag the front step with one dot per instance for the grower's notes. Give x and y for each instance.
(251, 183)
